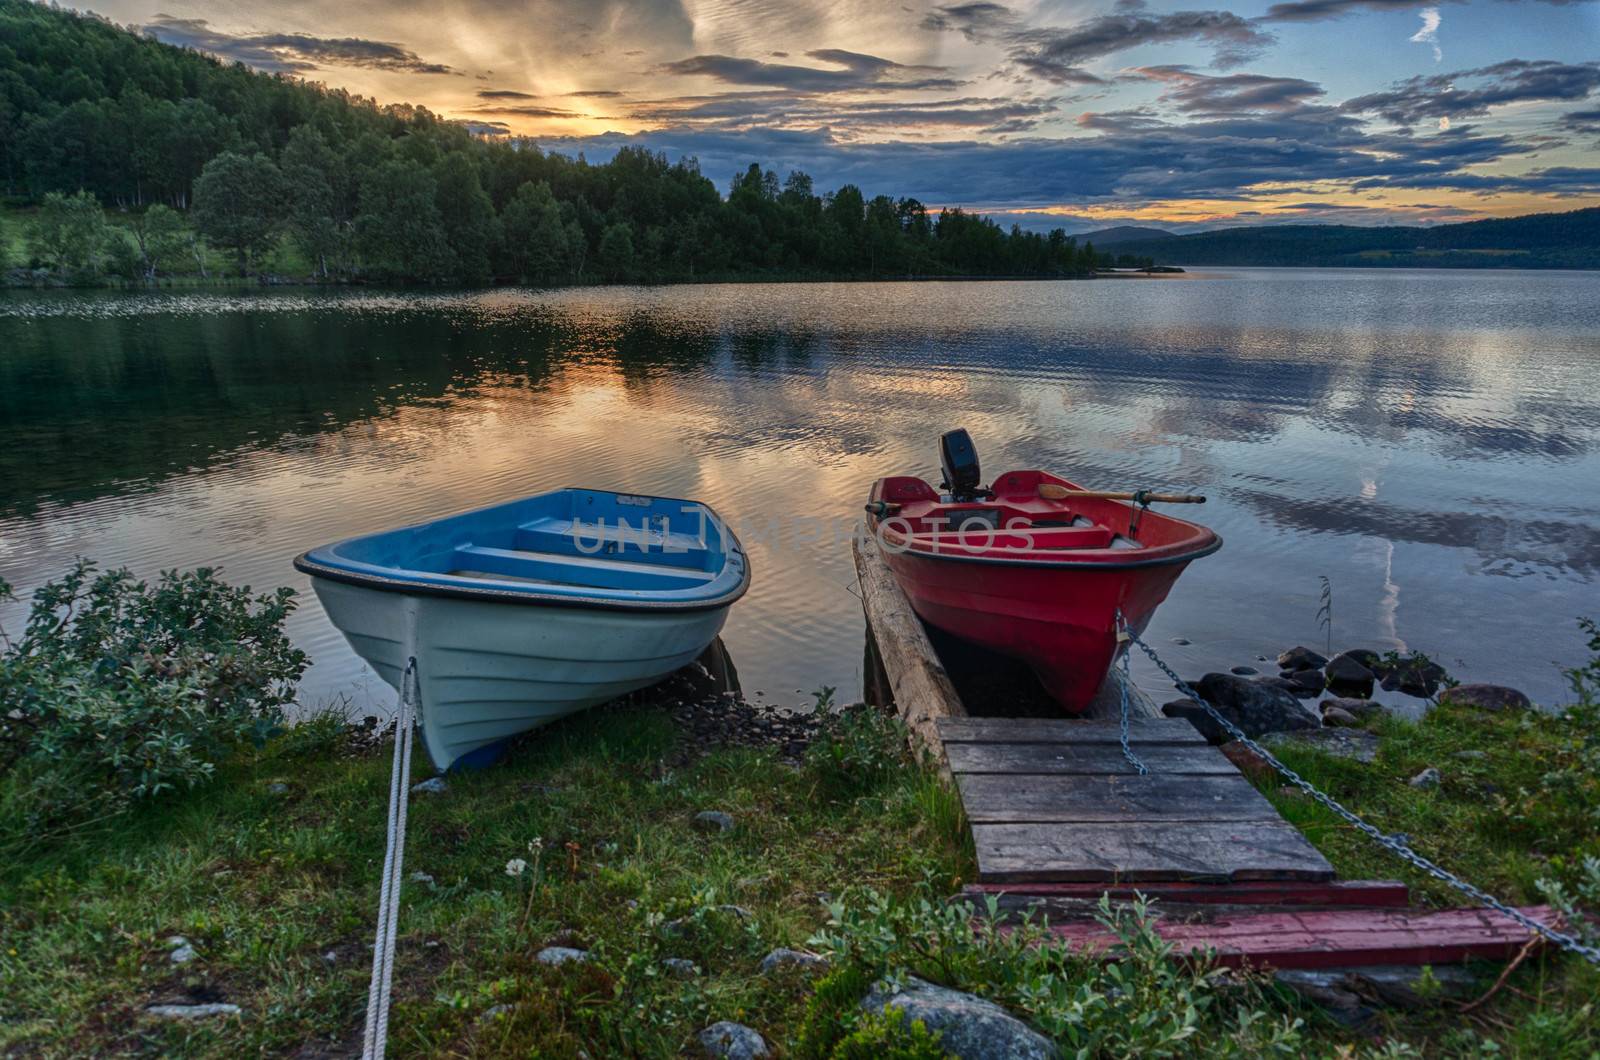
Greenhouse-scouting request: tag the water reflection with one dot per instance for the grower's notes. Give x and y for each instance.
(1439, 473)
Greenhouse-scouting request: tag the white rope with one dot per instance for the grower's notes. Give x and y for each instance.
(378, 989)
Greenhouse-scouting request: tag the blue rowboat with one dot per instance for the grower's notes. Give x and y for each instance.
(523, 613)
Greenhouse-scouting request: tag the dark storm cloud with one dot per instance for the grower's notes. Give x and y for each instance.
(1058, 53)
(852, 72)
(1198, 93)
(289, 52)
(1555, 180)
(1140, 160)
(1583, 121)
(1423, 99)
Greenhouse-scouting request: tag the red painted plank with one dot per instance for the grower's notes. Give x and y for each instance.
(1337, 938)
(1385, 893)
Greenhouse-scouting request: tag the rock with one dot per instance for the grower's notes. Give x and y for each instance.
(1470, 756)
(713, 821)
(783, 958)
(331, 957)
(1244, 671)
(1253, 705)
(1349, 676)
(1181, 640)
(1357, 745)
(422, 877)
(1354, 995)
(193, 1012)
(1493, 698)
(680, 967)
(494, 1012)
(1248, 762)
(1413, 676)
(733, 1040)
(558, 955)
(183, 954)
(1305, 684)
(431, 786)
(1340, 718)
(1366, 657)
(970, 1027)
(277, 787)
(1361, 709)
(1428, 778)
(1301, 658)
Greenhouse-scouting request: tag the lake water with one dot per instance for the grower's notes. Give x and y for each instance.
(1428, 441)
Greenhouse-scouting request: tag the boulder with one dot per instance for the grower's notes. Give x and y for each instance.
(1339, 718)
(1493, 698)
(1244, 671)
(1349, 676)
(1362, 709)
(784, 958)
(1425, 780)
(1305, 684)
(1255, 706)
(733, 1040)
(558, 955)
(1412, 675)
(970, 1027)
(1302, 658)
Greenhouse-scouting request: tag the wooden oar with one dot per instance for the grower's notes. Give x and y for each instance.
(1051, 492)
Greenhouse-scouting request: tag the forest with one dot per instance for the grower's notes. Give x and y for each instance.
(125, 159)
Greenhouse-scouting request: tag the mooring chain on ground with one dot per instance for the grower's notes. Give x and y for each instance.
(1397, 844)
(375, 1040)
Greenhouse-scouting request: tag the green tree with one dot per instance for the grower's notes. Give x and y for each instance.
(615, 257)
(467, 215)
(69, 232)
(239, 203)
(399, 231)
(537, 243)
(310, 168)
(163, 239)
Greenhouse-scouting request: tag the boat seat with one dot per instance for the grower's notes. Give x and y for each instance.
(1047, 538)
(481, 561)
(575, 539)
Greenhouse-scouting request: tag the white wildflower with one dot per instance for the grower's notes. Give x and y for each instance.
(536, 845)
(516, 867)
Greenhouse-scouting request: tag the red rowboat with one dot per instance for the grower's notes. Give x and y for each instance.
(1033, 567)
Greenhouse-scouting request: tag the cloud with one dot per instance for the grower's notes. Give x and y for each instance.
(1058, 53)
(596, 93)
(1197, 93)
(851, 72)
(1429, 33)
(528, 111)
(1583, 121)
(289, 53)
(504, 93)
(1423, 99)
(776, 109)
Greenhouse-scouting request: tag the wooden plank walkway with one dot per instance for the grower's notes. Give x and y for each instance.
(1055, 801)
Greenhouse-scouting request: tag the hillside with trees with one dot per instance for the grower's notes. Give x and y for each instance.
(124, 157)
(1568, 240)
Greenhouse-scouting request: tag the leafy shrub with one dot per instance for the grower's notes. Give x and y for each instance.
(1145, 1002)
(888, 1035)
(118, 691)
(857, 749)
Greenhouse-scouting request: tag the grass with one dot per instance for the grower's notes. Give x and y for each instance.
(265, 885)
(276, 889)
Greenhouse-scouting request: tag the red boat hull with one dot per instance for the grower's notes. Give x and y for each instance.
(1054, 608)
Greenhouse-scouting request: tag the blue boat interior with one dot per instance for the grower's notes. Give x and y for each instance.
(581, 542)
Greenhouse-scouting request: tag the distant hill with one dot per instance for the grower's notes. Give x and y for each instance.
(1121, 234)
(1538, 241)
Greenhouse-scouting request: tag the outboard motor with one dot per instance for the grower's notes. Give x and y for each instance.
(958, 459)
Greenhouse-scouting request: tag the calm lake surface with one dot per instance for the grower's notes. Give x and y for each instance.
(1429, 441)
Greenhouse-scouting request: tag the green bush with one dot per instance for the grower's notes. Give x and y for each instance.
(857, 749)
(118, 691)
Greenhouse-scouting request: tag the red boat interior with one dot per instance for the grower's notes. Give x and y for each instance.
(1011, 520)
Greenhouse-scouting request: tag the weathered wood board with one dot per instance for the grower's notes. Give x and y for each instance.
(1057, 800)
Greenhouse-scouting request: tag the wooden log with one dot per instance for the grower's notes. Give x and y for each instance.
(922, 690)
(1084, 759)
(1141, 731)
(1135, 801)
(1339, 938)
(1215, 851)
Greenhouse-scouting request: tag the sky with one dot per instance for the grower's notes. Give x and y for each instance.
(1078, 114)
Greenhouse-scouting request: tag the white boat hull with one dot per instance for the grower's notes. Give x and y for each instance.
(489, 670)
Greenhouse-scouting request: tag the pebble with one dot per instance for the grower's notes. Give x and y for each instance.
(680, 967)
(194, 1012)
(1244, 671)
(1470, 756)
(277, 787)
(422, 877)
(783, 957)
(558, 955)
(1428, 778)
(1182, 640)
(713, 821)
(183, 950)
(494, 1012)
(732, 1040)
(431, 786)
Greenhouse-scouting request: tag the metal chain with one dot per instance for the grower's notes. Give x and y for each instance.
(1399, 845)
(1124, 682)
